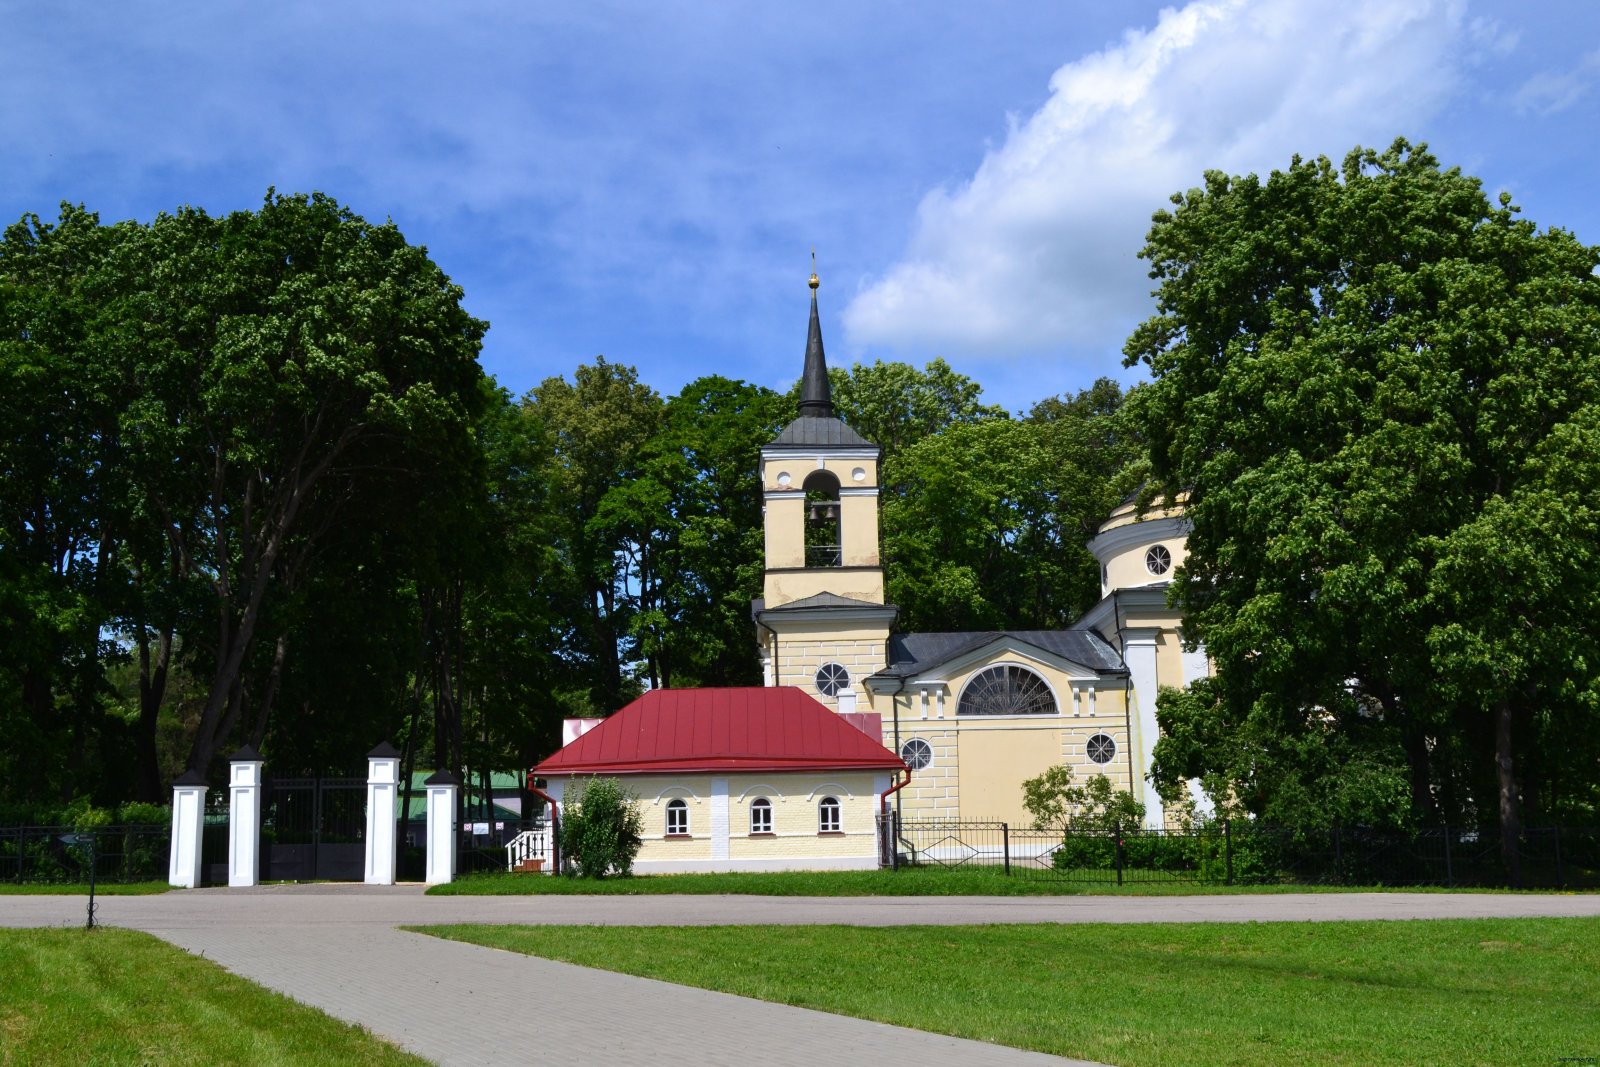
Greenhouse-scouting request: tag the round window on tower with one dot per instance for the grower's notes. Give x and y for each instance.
(831, 678)
(917, 753)
(1101, 748)
(1158, 560)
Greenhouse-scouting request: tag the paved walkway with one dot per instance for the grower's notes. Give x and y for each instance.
(462, 1004)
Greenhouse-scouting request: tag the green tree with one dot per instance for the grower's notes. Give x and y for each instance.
(1056, 804)
(692, 516)
(986, 523)
(291, 365)
(598, 425)
(600, 829)
(1378, 391)
(895, 405)
(58, 484)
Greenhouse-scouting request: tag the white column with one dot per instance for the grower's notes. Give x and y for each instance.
(244, 818)
(188, 826)
(1195, 667)
(383, 793)
(719, 818)
(1139, 653)
(441, 840)
(847, 701)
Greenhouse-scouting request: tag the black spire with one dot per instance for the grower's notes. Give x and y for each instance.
(816, 399)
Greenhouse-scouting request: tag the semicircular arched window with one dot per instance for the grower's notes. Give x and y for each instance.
(677, 818)
(1007, 690)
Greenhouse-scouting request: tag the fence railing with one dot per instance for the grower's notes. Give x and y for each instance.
(61, 854)
(1237, 852)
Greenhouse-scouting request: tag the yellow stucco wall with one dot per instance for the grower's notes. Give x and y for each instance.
(980, 761)
(1127, 567)
(796, 840)
(788, 579)
(798, 465)
(795, 799)
(783, 587)
(654, 793)
(785, 529)
(801, 651)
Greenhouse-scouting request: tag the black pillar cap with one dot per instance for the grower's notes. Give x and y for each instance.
(384, 751)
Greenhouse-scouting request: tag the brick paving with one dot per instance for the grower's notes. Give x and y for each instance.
(338, 948)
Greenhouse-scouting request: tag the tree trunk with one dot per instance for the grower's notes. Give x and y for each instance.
(152, 691)
(1510, 813)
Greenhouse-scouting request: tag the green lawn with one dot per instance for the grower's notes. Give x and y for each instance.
(1503, 991)
(909, 881)
(111, 996)
(109, 889)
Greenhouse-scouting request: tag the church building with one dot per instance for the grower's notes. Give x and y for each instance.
(973, 714)
(855, 718)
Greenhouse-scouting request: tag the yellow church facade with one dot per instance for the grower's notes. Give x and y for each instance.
(973, 714)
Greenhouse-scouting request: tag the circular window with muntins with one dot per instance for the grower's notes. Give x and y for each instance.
(917, 753)
(1101, 748)
(831, 678)
(1158, 560)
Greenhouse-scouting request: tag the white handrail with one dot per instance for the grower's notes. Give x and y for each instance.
(528, 845)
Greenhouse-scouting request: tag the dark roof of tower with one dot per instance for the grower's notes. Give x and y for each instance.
(817, 424)
(812, 431)
(816, 396)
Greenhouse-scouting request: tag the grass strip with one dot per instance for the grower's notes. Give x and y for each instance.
(74, 997)
(1472, 991)
(105, 889)
(907, 882)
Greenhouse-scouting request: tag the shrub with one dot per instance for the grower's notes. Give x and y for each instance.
(600, 830)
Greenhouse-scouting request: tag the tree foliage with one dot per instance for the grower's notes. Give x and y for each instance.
(600, 829)
(1056, 804)
(1379, 391)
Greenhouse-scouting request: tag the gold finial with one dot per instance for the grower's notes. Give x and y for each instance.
(815, 281)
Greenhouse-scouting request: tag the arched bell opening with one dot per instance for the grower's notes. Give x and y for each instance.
(823, 541)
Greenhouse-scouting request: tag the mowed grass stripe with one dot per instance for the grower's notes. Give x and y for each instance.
(910, 882)
(1494, 991)
(112, 996)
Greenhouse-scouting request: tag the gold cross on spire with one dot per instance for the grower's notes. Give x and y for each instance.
(815, 281)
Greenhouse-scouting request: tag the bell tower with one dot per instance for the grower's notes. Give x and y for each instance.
(822, 622)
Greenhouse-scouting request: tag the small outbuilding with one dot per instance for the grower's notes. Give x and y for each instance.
(758, 778)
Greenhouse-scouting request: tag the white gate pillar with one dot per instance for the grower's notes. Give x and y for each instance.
(442, 786)
(188, 828)
(383, 793)
(244, 817)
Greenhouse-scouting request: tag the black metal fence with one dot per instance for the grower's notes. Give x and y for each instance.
(1248, 853)
(60, 855)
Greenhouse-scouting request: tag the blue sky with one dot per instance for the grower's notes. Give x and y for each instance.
(646, 181)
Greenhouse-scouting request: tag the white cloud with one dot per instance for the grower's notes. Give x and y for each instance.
(1037, 252)
(1548, 92)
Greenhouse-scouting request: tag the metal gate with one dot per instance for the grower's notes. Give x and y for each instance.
(313, 829)
(214, 839)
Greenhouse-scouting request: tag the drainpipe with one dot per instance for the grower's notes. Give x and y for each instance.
(894, 705)
(884, 801)
(555, 821)
(883, 817)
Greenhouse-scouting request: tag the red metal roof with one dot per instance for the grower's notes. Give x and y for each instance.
(696, 730)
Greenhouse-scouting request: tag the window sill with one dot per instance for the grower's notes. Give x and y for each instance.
(830, 833)
(677, 837)
(762, 833)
